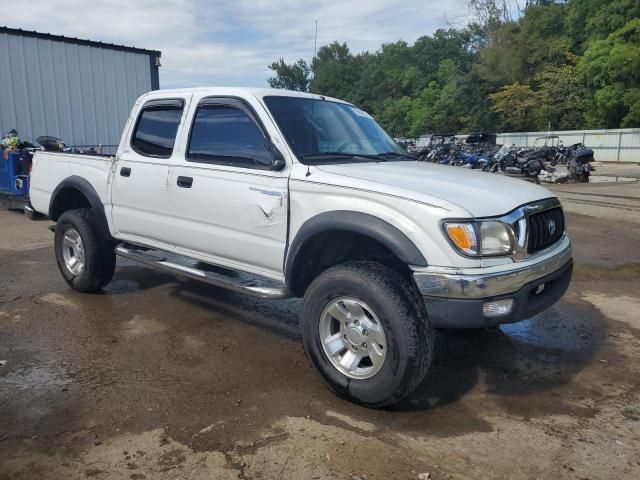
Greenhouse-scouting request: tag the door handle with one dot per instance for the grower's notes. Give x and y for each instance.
(125, 172)
(185, 182)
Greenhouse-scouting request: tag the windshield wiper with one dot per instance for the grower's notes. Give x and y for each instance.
(377, 157)
(395, 154)
(310, 156)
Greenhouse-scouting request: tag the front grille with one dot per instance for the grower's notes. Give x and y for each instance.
(545, 229)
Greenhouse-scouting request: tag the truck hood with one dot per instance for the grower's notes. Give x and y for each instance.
(482, 194)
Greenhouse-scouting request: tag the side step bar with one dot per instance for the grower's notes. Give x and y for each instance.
(211, 278)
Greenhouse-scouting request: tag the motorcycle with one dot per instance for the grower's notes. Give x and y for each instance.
(439, 146)
(491, 164)
(485, 160)
(521, 162)
(579, 160)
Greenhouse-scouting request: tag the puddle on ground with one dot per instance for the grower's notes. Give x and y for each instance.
(610, 179)
(33, 377)
(541, 332)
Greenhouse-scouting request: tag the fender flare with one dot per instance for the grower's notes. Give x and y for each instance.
(83, 186)
(356, 222)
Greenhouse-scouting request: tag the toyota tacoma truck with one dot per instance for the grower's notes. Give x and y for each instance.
(301, 195)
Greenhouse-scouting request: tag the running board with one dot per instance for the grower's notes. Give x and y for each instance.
(218, 280)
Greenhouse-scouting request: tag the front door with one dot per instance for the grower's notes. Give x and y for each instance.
(230, 206)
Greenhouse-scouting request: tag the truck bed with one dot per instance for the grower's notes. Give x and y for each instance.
(51, 168)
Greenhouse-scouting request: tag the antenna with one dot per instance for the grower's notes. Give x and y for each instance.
(315, 42)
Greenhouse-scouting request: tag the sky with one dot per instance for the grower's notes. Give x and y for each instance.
(232, 42)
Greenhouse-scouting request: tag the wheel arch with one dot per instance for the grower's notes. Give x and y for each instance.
(379, 234)
(76, 192)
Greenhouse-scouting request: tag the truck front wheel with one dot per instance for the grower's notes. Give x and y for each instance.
(85, 255)
(366, 331)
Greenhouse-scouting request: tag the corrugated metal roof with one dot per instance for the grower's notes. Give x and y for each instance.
(80, 91)
(76, 41)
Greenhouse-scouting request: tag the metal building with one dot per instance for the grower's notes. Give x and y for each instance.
(78, 90)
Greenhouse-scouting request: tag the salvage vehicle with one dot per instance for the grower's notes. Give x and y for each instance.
(528, 162)
(438, 147)
(309, 196)
(578, 159)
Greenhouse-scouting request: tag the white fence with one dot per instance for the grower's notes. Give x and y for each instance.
(621, 145)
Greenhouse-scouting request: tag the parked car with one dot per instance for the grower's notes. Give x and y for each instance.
(310, 196)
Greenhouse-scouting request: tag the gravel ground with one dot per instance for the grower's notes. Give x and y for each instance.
(159, 378)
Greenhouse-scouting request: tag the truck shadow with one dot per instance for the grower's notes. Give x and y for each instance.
(513, 362)
(134, 278)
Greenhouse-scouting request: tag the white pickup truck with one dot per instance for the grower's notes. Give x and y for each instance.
(311, 198)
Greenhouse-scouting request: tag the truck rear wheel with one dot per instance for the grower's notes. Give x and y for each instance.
(366, 331)
(86, 257)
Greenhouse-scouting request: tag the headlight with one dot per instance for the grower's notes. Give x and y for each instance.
(482, 238)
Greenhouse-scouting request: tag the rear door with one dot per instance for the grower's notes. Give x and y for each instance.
(140, 193)
(228, 205)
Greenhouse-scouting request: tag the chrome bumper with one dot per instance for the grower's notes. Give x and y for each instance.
(483, 285)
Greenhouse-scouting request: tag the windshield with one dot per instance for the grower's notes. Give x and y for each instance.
(322, 131)
(504, 150)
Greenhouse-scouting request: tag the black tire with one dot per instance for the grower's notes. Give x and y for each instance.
(99, 251)
(402, 313)
(533, 171)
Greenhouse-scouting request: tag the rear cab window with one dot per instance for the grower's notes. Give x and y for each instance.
(156, 127)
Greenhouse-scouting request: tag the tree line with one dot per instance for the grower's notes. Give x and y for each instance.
(565, 64)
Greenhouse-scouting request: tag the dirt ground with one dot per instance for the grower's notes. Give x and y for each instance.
(163, 378)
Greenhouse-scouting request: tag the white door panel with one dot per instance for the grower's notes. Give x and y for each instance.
(140, 200)
(237, 217)
(140, 185)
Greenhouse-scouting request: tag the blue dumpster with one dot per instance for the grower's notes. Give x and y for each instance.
(14, 183)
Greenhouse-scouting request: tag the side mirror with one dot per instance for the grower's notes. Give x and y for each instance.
(278, 162)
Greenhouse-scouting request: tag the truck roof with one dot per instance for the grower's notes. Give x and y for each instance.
(239, 91)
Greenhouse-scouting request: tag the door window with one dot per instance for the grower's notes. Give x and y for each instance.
(226, 135)
(156, 130)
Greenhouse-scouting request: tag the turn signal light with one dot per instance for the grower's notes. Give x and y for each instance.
(463, 235)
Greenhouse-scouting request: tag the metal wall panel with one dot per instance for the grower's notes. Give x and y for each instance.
(80, 93)
(619, 145)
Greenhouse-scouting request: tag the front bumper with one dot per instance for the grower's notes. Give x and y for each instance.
(456, 300)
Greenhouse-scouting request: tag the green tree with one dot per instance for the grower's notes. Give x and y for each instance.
(294, 76)
(611, 16)
(514, 105)
(423, 111)
(612, 66)
(562, 98)
(396, 115)
(334, 71)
